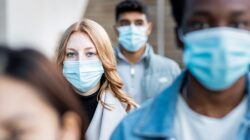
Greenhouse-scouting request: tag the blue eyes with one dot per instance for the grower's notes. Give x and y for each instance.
(90, 54)
(70, 55)
(74, 54)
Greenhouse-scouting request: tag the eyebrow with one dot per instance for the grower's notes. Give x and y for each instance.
(201, 13)
(138, 19)
(72, 49)
(16, 118)
(86, 48)
(205, 12)
(123, 20)
(236, 14)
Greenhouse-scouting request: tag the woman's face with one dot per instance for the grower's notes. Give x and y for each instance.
(80, 48)
(24, 114)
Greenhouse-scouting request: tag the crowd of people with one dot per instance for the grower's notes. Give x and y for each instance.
(95, 91)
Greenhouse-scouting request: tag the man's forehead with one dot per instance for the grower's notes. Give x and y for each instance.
(216, 8)
(132, 15)
(198, 4)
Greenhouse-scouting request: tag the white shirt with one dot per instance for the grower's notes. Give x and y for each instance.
(189, 125)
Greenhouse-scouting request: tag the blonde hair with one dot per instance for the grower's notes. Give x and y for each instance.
(104, 48)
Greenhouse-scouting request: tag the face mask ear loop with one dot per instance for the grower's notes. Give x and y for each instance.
(3, 62)
(180, 34)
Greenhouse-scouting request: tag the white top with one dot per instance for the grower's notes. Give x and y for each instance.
(189, 125)
(105, 121)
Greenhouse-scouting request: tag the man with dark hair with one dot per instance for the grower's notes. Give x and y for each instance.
(144, 73)
(210, 100)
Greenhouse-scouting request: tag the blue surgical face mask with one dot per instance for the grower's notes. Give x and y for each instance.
(83, 75)
(132, 37)
(217, 57)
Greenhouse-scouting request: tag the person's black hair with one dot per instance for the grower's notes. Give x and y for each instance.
(130, 6)
(178, 7)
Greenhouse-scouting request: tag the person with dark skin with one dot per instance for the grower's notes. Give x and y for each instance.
(208, 14)
(210, 100)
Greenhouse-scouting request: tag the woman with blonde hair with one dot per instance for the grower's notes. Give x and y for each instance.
(86, 58)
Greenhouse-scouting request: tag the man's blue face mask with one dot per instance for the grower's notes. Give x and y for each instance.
(132, 37)
(217, 57)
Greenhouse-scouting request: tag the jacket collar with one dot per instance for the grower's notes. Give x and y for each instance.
(165, 105)
(148, 57)
(104, 121)
(247, 117)
(154, 126)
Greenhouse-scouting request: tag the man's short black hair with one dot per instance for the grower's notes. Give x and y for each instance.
(178, 7)
(130, 6)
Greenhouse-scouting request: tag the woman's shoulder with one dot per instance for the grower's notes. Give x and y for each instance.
(109, 97)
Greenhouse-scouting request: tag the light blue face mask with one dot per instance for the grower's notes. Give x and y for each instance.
(83, 75)
(132, 37)
(217, 57)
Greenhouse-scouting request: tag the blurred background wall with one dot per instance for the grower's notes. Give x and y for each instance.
(103, 11)
(40, 23)
(2, 20)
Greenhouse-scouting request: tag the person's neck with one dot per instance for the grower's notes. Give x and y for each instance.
(211, 103)
(133, 57)
(91, 91)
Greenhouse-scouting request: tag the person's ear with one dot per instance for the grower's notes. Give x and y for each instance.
(178, 37)
(116, 31)
(149, 29)
(71, 128)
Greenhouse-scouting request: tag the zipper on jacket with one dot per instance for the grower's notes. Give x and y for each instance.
(132, 74)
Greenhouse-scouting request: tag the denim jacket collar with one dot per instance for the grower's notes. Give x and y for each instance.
(164, 105)
(247, 117)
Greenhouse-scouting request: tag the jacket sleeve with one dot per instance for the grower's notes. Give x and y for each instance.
(176, 70)
(119, 133)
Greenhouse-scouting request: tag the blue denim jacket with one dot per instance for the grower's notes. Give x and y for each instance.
(155, 119)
